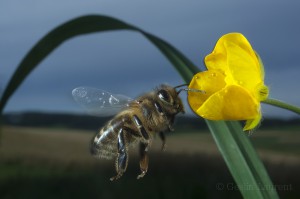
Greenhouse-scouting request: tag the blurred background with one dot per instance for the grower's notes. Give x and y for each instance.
(45, 134)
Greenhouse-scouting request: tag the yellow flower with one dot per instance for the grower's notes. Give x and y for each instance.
(233, 83)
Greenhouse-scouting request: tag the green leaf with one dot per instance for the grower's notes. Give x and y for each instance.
(239, 155)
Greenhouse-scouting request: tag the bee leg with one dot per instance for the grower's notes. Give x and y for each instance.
(163, 139)
(171, 128)
(171, 122)
(144, 159)
(122, 157)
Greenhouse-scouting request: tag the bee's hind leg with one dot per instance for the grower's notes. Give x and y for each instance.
(144, 159)
(122, 157)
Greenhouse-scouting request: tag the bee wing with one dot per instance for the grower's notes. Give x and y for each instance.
(99, 102)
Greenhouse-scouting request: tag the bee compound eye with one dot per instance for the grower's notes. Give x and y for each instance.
(163, 95)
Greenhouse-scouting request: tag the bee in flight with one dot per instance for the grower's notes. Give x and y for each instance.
(137, 122)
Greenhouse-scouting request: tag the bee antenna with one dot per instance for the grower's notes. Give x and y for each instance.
(181, 85)
(191, 90)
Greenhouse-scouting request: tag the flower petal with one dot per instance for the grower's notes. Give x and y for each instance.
(217, 60)
(231, 103)
(242, 67)
(234, 57)
(208, 81)
(253, 123)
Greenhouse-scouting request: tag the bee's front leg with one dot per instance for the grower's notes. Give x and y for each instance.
(122, 157)
(163, 139)
(144, 159)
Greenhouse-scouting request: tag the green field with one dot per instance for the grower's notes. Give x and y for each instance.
(55, 163)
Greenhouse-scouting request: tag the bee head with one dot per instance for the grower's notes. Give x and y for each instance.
(169, 97)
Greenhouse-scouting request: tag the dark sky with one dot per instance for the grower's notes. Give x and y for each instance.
(125, 62)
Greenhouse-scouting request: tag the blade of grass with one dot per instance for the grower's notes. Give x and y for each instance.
(184, 67)
(235, 147)
(242, 160)
(76, 27)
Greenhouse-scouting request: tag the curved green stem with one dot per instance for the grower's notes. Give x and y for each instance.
(281, 104)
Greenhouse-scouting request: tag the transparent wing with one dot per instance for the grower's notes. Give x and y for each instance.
(99, 102)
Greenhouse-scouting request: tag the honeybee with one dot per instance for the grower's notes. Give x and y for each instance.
(137, 122)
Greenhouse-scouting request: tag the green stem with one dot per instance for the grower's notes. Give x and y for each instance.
(281, 104)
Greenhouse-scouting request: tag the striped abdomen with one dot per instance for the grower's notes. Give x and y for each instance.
(104, 144)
